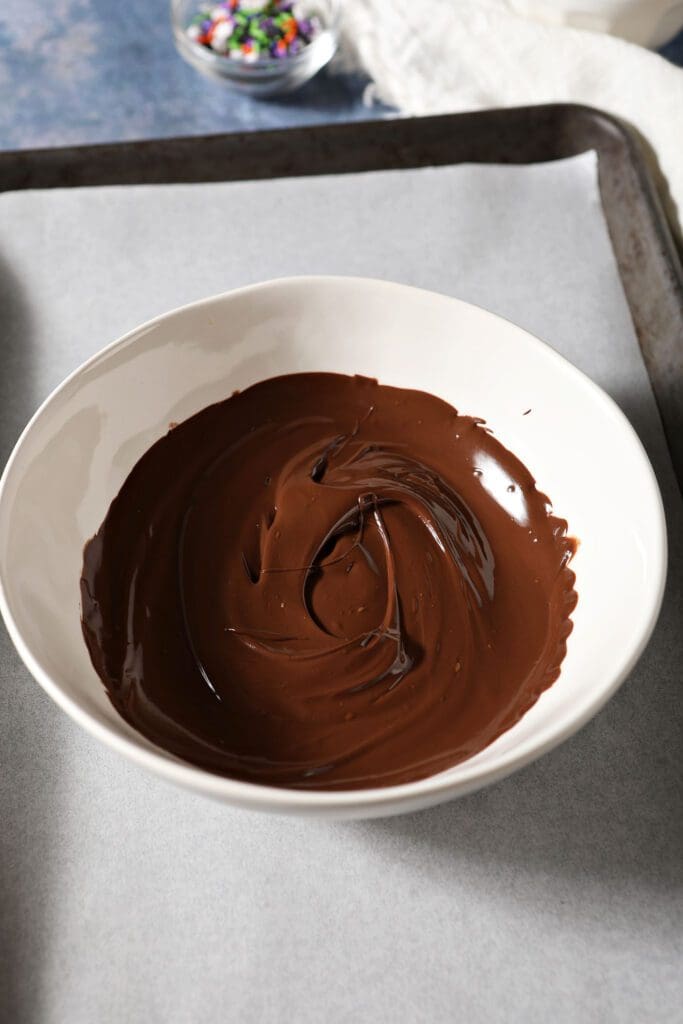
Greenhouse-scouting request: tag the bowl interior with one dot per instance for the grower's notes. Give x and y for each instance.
(80, 446)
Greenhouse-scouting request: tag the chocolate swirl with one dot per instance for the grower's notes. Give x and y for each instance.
(327, 583)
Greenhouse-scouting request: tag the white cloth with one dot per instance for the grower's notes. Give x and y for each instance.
(438, 56)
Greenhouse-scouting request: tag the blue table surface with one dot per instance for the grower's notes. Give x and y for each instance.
(86, 71)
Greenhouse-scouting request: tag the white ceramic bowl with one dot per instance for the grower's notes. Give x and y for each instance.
(79, 447)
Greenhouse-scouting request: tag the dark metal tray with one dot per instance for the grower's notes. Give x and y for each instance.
(648, 261)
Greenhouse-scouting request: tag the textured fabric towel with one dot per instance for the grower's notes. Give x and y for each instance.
(439, 56)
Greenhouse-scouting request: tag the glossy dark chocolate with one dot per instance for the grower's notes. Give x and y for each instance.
(326, 583)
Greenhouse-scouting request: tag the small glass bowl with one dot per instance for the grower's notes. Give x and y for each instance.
(267, 76)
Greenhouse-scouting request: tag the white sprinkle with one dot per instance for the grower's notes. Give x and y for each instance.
(221, 34)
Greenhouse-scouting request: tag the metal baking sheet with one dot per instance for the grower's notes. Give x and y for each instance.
(550, 895)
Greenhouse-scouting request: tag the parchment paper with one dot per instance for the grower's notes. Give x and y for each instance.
(554, 895)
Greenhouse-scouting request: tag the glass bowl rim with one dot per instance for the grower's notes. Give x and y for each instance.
(239, 68)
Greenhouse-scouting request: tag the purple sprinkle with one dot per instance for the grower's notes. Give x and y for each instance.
(206, 25)
(305, 26)
(295, 46)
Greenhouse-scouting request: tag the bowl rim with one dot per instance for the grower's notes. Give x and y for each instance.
(377, 800)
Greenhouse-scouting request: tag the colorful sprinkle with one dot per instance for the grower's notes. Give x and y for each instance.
(250, 30)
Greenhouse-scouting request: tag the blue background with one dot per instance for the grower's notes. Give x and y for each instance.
(81, 71)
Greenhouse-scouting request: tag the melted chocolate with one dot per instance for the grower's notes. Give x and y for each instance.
(323, 582)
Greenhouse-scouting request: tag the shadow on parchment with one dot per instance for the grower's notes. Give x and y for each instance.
(30, 780)
(607, 806)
